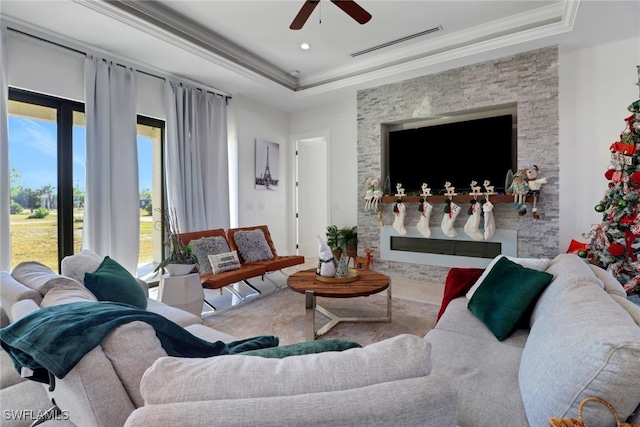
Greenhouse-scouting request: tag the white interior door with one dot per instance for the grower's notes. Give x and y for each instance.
(312, 195)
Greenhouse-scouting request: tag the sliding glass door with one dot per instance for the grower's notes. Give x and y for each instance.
(47, 153)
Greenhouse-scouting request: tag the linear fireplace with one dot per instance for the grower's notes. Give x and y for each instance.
(442, 250)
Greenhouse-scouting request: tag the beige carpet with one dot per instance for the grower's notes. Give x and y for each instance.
(282, 314)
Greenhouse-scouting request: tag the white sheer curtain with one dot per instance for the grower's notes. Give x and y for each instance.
(5, 190)
(196, 158)
(112, 202)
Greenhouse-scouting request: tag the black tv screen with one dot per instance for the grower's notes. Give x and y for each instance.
(460, 152)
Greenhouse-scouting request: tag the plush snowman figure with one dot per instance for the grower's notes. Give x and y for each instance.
(326, 262)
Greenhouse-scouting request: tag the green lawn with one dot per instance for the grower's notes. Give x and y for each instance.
(37, 239)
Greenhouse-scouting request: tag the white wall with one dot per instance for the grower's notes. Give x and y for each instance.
(341, 121)
(596, 87)
(256, 207)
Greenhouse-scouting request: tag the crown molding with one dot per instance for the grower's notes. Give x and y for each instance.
(164, 24)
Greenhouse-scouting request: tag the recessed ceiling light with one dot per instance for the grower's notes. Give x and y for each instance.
(305, 46)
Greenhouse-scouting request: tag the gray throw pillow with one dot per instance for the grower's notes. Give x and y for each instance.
(252, 245)
(205, 246)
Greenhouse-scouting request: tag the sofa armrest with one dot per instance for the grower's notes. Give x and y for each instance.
(22, 308)
(429, 401)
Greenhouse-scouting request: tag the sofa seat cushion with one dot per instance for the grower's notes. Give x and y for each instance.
(278, 262)
(582, 343)
(209, 334)
(458, 319)
(220, 280)
(245, 377)
(484, 372)
(181, 317)
(8, 374)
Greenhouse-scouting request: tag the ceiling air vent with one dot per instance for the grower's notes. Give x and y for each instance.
(400, 40)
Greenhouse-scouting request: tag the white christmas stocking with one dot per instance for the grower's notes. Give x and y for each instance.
(489, 222)
(473, 223)
(398, 223)
(449, 218)
(423, 224)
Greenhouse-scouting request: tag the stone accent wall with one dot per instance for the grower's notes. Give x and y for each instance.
(530, 80)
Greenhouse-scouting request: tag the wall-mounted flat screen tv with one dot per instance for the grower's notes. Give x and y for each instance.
(458, 152)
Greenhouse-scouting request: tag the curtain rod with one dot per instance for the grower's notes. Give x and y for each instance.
(148, 73)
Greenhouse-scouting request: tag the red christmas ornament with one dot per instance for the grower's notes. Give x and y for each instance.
(634, 179)
(616, 249)
(609, 174)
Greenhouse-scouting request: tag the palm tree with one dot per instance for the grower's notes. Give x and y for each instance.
(46, 192)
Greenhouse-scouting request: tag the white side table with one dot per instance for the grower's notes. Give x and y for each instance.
(184, 292)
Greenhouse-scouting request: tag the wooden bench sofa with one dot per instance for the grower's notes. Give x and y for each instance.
(247, 270)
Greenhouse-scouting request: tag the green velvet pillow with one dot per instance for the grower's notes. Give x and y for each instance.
(505, 294)
(308, 347)
(112, 282)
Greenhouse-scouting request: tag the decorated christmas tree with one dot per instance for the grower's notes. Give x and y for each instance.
(615, 243)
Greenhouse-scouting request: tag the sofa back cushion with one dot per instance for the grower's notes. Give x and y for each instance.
(581, 344)
(65, 294)
(39, 277)
(75, 266)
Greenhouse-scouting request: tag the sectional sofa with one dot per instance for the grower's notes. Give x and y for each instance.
(129, 379)
(581, 339)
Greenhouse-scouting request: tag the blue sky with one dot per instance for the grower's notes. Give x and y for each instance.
(33, 152)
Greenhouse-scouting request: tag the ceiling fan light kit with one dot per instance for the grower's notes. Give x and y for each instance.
(350, 7)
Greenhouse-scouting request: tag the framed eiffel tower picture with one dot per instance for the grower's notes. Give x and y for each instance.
(267, 165)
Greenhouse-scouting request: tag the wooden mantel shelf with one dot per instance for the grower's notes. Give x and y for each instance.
(461, 198)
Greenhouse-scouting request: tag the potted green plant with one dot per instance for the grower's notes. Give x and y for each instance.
(348, 240)
(181, 259)
(333, 240)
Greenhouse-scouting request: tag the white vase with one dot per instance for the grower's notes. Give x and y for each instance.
(179, 269)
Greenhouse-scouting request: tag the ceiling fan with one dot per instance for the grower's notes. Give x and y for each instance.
(349, 6)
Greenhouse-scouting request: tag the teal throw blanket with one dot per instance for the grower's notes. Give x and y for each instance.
(50, 341)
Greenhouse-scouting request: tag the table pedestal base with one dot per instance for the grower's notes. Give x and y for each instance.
(311, 306)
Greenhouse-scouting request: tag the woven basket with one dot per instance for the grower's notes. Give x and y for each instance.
(572, 422)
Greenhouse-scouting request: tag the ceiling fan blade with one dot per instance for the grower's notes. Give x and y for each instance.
(303, 15)
(353, 10)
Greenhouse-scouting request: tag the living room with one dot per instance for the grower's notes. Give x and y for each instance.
(586, 90)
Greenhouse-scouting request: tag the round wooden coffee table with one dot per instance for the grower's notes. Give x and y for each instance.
(368, 283)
